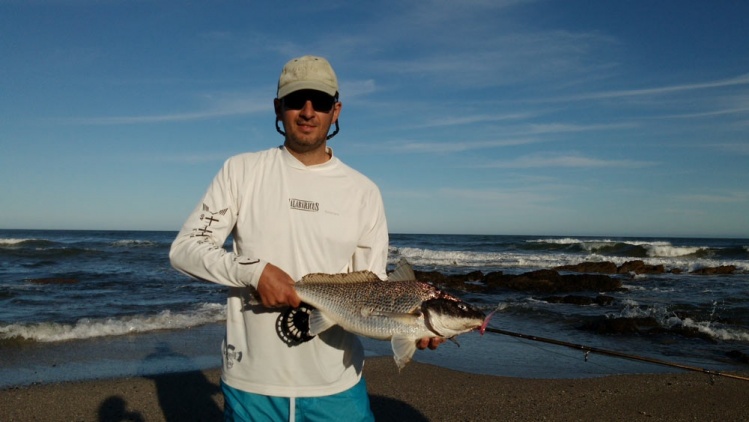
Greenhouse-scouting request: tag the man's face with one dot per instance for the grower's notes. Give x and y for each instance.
(307, 116)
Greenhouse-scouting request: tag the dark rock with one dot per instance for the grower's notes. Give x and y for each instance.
(497, 279)
(550, 281)
(596, 282)
(474, 276)
(639, 267)
(590, 267)
(433, 277)
(720, 270)
(604, 300)
(463, 282)
(536, 281)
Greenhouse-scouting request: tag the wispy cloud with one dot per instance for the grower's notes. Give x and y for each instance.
(499, 195)
(190, 158)
(450, 147)
(571, 128)
(567, 161)
(473, 119)
(352, 89)
(735, 148)
(716, 198)
(234, 108)
(670, 89)
(723, 112)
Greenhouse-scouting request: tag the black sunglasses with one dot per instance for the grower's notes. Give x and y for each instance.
(321, 101)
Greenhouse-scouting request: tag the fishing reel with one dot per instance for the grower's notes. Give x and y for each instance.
(292, 325)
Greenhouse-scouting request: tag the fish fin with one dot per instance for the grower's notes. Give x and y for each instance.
(403, 272)
(403, 349)
(354, 277)
(319, 322)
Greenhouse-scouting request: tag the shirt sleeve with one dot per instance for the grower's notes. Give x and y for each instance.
(372, 249)
(198, 250)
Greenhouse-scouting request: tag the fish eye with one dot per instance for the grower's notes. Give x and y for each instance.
(462, 306)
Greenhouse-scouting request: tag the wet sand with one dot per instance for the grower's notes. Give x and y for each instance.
(420, 392)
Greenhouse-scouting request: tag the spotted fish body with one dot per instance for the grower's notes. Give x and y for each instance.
(401, 309)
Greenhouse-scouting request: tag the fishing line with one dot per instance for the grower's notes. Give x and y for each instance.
(567, 356)
(614, 353)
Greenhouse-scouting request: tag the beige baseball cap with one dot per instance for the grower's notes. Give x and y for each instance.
(307, 72)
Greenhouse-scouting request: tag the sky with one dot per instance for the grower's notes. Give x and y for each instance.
(514, 117)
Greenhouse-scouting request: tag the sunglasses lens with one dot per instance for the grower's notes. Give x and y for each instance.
(321, 101)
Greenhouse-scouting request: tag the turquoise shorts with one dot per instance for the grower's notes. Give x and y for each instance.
(350, 405)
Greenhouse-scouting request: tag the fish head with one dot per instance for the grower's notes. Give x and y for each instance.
(448, 317)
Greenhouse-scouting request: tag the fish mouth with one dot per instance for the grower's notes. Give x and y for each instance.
(449, 317)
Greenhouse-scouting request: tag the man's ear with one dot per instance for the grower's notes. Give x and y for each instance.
(277, 107)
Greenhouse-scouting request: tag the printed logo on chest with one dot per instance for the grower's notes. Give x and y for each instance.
(302, 205)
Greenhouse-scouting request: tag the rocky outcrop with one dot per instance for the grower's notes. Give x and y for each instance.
(590, 267)
(640, 267)
(589, 276)
(720, 270)
(544, 281)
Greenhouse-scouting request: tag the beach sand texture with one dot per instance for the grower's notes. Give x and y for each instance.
(418, 393)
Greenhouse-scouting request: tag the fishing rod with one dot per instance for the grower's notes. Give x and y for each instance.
(588, 349)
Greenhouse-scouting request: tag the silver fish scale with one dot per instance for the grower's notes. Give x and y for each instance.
(377, 309)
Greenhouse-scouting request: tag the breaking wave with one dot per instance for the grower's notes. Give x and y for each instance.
(89, 328)
(670, 320)
(630, 248)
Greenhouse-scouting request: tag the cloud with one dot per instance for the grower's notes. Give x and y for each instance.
(735, 148)
(497, 195)
(352, 89)
(544, 160)
(716, 198)
(480, 118)
(723, 112)
(567, 128)
(450, 147)
(670, 89)
(226, 106)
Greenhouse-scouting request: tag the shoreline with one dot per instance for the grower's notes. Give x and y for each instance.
(420, 392)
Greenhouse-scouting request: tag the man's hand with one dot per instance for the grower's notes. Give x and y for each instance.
(276, 288)
(430, 342)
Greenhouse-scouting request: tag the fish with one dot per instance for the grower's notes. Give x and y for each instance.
(400, 309)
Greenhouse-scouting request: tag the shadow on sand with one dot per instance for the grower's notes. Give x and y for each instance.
(114, 409)
(183, 396)
(387, 409)
(190, 396)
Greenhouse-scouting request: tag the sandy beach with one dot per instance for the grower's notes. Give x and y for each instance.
(420, 392)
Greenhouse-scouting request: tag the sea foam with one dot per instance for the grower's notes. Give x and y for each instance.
(89, 328)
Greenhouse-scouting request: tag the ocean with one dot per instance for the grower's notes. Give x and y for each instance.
(97, 304)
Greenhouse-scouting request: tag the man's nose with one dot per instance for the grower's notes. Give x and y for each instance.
(307, 110)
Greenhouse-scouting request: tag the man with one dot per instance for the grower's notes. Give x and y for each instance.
(292, 210)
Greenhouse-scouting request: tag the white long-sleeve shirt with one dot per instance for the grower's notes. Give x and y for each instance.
(326, 218)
